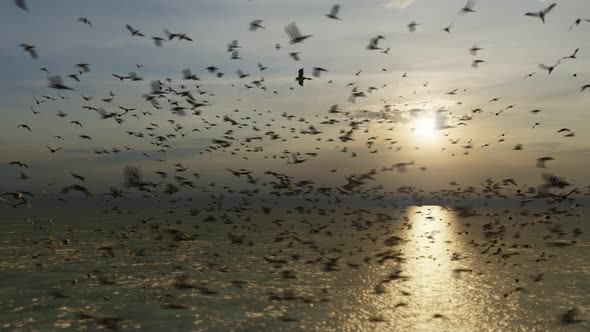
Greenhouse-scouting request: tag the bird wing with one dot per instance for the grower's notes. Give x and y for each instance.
(334, 11)
(548, 9)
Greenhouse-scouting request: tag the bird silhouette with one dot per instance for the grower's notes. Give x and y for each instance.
(301, 78)
(542, 13)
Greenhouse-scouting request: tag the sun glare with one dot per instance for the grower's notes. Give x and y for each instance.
(425, 127)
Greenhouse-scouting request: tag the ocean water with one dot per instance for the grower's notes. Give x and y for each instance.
(420, 268)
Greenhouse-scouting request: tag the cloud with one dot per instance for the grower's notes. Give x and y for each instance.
(398, 3)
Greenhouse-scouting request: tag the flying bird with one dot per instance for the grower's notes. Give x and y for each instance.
(21, 4)
(412, 26)
(255, 25)
(300, 78)
(542, 13)
(85, 20)
(541, 162)
(316, 71)
(295, 34)
(334, 13)
(549, 69)
(134, 32)
(578, 21)
(30, 49)
(468, 8)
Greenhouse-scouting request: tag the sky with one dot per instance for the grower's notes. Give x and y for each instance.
(414, 78)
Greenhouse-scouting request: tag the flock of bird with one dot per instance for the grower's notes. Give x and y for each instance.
(254, 137)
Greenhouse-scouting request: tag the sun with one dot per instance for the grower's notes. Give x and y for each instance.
(425, 127)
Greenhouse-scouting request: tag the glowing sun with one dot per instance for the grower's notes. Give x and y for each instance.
(425, 127)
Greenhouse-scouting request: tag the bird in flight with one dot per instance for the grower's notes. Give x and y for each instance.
(52, 150)
(56, 82)
(30, 49)
(134, 32)
(549, 69)
(300, 78)
(334, 13)
(578, 21)
(316, 71)
(573, 56)
(295, 34)
(21, 4)
(541, 162)
(412, 26)
(468, 8)
(255, 25)
(542, 13)
(85, 20)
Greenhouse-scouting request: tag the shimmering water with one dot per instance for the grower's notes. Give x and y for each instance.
(416, 269)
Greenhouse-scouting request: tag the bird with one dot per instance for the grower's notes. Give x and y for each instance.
(56, 82)
(52, 150)
(475, 63)
(134, 32)
(447, 29)
(261, 67)
(542, 13)
(158, 41)
(295, 56)
(85, 20)
(573, 56)
(19, 164)
(412, 26)
(295, 34)
(468, 8)
(30, 49)
(21, 4)
(541, 162)
(474, 49)
(374, 43)
(24, 126)
(300, 78)
(549, 69)
(255, 25)
(334, 12)
(77, 187)
(578, 21)
(316, 71)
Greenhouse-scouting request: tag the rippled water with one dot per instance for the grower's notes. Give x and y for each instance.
(417, 269)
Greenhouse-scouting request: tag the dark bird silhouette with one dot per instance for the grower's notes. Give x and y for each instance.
(316, 71)
(541, 162)
(78, 188)
(21, 4)
(468, 8)
(134, 32)
(295, 34)
(85, 20)
(30, 49)
(300, 78)
(578, 21)
(549, 69)
(542, 13)
(334, 12)
(412, 26)
(24, 126)
(52, 150)
(573, 56)
(255, 25)
(56, 82)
